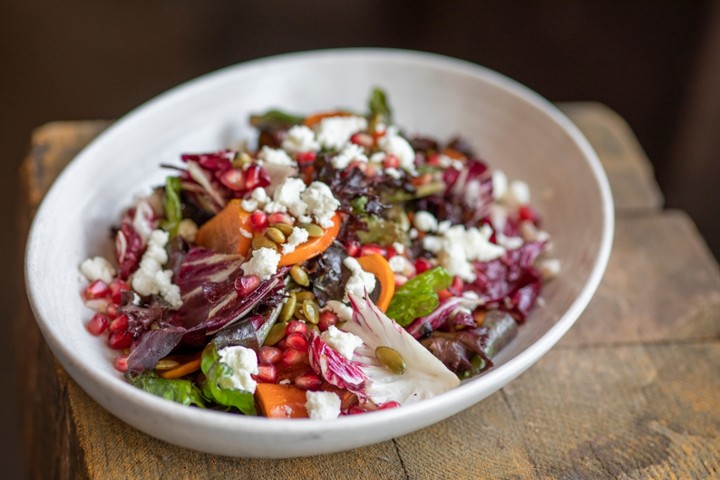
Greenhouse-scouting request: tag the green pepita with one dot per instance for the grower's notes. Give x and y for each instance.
(166, 364)
(391, 360)
(288, 309)
(299, 275)
(311, 310)
(275, 235)
(277, 333)
(263, 242)
(312, 229)
(284, 228)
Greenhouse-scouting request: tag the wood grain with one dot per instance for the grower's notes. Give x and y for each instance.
(630, 392)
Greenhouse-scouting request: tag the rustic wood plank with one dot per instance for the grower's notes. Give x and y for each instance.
(661, 284)
(630, 173)
(598, 412)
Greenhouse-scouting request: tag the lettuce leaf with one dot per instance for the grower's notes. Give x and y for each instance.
(418, 297)
(379, 106)
(215, 371)
(177, 390)
(172, 206)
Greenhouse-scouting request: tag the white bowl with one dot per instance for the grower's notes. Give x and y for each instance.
(512, 128)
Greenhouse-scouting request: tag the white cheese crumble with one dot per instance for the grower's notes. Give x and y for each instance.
(425, 221)
(264, 263)
(276, 156)
(334, 132)
(321, 203)
(297, 237)
(300, 139)
(347, 155)
(360, 280)
(97, 268)
(510, 243)
(187, 229)
(394, 144)
(399, 247)
(260, 196)
(288, 195)
(150, 278)
(499, 184)
(249, 205)
(278, 165)
(143, 220)
(549, 268)
(344, 343)
(344, 312)
(458, 246)
(274, 207)
(518, 193)
(393, 173)
(398, 264)
(322, 405)
(243, 363)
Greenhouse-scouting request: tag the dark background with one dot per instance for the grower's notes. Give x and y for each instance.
(656, 63)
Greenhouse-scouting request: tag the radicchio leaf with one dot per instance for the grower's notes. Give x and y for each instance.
(334, 368)
(434, 320)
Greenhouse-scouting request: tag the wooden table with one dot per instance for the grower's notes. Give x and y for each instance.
(632, 391)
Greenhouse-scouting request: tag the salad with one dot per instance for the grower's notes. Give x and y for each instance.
(338, 267)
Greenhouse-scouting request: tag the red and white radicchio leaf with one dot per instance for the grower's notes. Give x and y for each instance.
(334, 368)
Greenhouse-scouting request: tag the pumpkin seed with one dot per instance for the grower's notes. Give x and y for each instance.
(263, 242)
(277, 333)
(312, 229)
(284, 228)
(288, 309)
(311, 310)
(299, 275)
(166, 364)
(391, 360)
(303, 295)
(275, 235)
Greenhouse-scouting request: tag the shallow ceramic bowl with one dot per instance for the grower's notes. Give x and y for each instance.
(513, 129)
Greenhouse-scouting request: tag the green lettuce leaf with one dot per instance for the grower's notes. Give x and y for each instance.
(173, 208)
(418, 297)
(273, 120)
(379, 107)
(177, 390)
(215, 371)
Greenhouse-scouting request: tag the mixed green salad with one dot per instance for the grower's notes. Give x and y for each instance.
(339, 266)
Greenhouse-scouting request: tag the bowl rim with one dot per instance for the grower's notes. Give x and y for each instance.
(462, 396)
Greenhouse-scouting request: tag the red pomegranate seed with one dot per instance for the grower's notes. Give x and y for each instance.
(111, 310)
(354, 410)
(117, 287)
(457, 286)
(526, 212)
(96, 289)
(388, 405)
(121, 364)
(258, 220)
(362, 166)
(306, 158)
(267, 374)
(308, 381)
(293, 357)
(296, 326)
(120, 324)
(362, 139)
(246, 284)
(269, 355)
(256, 176)
(120, 340)
(400, 280)
(327, 319)
(281, 345)
(98, 324)
(422, 265)
(353, 248)
(233, 179)
(297, 342)
(370, 248)
(391, 161)
(390, 252)
(433, 159)
(280, 217)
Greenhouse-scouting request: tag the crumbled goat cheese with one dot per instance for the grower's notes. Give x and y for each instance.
(458, 246)
(274, 207)
(264, 263)
(187, 229)
(378, 157)
(278, 166)
(334, 132)
(425, 221)
(143, 220)
(348, 154)
(510, 243)
(288, 194)
(243, 363)
(275, 156)
(394, 144)
(498, 217)
(549, 268)
(359, 281)
(473, 194)
(322, 405)
(321, 203)
(344, 312)
(344, 343)
(399, 247)
(413, 233)
(260, 196)
(393, 173)
(297, 237)
(249, 205)
(300, 139)
(398, 263)
(518, 193)
(97, 268)
(499, 184)
(150, 278)
(531, 233)
(444, 226)
(246, 233)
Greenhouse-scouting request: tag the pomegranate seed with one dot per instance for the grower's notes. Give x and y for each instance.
(120, 340)
(362, 166)
(353, 248)
(297, 342)
(232, 179)
(96, 289)
(362, 139)
(306, 158)
(457, 286)
(117, 287)
(280, 217)
(526, 212)
(258, 220)
(111, 310)
(422, 265)
(121, 364)
(388, 405)
(281, 345)
(400, 280)
(296, 326)
(370, 248)
(269, 355)
(371, 170)
(267, 374)
(444, 294)
(246, 284)
(98, 324)
(327, 319)
(308, 381)
(256, 176)
(390, 252)
(354, 410)
(433, 159)
(120, 324)
(293, 357)
(391, 161)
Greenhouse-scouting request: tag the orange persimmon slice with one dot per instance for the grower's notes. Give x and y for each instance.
(222, 233)
(281, 401)
(378, 266)
(314, 246)
(316, 118)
